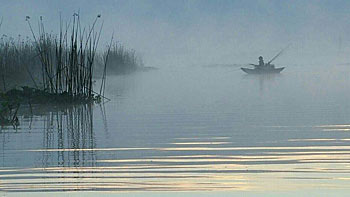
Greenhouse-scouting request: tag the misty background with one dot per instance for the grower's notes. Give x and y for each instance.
(204, 32)
(191, 125)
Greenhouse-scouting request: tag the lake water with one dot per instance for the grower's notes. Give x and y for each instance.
(196, 131)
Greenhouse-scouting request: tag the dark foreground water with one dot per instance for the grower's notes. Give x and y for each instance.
(201, 131)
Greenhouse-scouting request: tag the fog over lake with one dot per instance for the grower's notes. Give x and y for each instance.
(196, 124)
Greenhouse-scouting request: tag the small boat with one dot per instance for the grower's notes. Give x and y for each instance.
(262, 70)
(265, 68)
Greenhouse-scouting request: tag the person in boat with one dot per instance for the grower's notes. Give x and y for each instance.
(261, 62)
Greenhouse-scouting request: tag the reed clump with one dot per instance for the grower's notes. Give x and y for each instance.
(67, 59)
(60, 66)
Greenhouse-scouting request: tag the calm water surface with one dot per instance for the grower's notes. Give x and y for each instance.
(199, 130)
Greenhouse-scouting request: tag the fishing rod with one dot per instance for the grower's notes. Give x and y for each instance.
(278, 54)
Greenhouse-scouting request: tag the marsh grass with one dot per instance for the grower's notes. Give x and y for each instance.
(8, 111)
(64, 61)
(19, 62)
(121, 60)
(60, 66)
(67, 59)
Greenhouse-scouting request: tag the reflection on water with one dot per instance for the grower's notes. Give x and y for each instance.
(190, 168)
(264, 81)
(60, 128)
(180, 136)
(72, 129)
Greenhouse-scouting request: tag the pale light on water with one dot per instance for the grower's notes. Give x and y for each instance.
(189, 129)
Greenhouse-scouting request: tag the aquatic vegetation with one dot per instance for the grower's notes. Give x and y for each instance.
(65, 62)
(59, 66)
(67, 58)
(19, 62)
(8, 110)
(28, 95)
(11, 101)
(121, 60)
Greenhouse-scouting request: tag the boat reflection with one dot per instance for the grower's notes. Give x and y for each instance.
(265, 81)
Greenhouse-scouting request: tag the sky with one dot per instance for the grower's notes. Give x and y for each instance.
(197, 32)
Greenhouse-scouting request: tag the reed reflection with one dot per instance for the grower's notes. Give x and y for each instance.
(69, 128)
